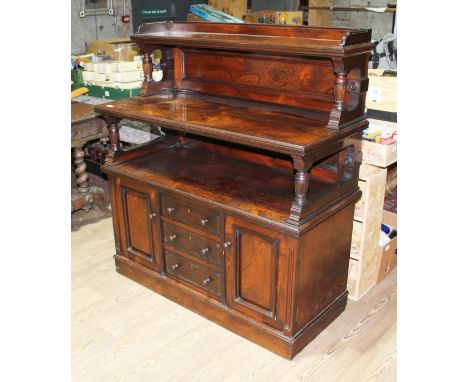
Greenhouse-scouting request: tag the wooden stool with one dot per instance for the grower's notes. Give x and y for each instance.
(86, 126)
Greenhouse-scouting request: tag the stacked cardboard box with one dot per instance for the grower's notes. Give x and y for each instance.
(380, 150)
(364, 256)
(116, 74)
(388, 251)
(381, 94)
(119, 49)
(274, 17)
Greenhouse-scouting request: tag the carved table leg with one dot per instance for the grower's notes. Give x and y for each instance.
(81, 181)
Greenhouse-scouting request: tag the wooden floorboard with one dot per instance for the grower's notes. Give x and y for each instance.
(122, 331)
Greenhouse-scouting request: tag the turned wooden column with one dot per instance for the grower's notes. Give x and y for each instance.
(341, 81)
(80, 170)
(341, 71)
(86, 198)
(301, 185)
(302, 167)
(114, 138)
(148, 67)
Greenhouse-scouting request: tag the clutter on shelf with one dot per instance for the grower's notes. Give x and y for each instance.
(379, 145)
(275, 17)
(212, 14)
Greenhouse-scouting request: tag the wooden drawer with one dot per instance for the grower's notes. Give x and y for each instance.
(192, 214)
(195, 274)
(194, 245)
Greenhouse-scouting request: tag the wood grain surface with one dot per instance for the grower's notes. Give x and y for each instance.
(258, 37)
(283, 129)
(122, 331)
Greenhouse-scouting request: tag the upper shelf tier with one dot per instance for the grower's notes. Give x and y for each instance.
(329, 42)
(270, 127)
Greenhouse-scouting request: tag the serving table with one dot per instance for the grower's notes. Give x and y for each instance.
(243, 210)
(86, 126)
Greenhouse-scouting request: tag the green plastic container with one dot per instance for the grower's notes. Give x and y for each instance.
(77, 78)
(111, 93)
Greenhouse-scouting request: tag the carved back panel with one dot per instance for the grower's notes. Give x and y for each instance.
(292, 81)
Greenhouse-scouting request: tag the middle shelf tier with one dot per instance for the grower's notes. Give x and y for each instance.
(281, 129)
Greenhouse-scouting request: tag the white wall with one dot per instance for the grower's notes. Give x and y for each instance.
(98, 27)
(380, 23)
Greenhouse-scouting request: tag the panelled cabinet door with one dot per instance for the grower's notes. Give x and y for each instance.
(138, 223)
(256, 279)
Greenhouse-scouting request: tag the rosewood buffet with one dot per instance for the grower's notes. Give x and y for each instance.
(243, 210)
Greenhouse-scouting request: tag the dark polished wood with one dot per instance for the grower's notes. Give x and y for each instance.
(86, 126)
(243, 210)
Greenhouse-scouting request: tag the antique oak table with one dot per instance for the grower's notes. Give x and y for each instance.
(243, 211)
(86, 126)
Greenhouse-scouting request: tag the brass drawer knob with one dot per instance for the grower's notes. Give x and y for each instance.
(175, 266)
(204, 221)
(207, 280)
(170, 209)
(227, 244)
(152, 215)
(172, 237)
(205, 250)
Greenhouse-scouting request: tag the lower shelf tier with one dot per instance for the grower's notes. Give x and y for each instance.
(258, 190)
(279, 289)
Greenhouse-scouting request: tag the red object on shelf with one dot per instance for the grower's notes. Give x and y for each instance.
(125, 18)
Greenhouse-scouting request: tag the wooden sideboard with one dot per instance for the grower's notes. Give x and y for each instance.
(243, 211)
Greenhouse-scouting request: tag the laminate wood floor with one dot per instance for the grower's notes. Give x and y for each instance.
(122, 331)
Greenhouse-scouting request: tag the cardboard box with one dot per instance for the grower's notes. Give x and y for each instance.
(382, 92)
(379, 155)
(120, 49)
(274, 17)
(388, 253)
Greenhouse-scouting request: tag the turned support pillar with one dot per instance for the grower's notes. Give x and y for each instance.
(114, 138)
(341, 82)
(341, 71)
(80, 170)
(301, 185)
(86, 198)
(147, 67)
(302, 167)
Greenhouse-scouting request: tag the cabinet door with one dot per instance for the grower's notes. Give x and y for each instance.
(257, 259)
(138, 221)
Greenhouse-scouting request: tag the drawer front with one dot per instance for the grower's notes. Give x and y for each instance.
(203, 278)
(194, 215)
(194, 245)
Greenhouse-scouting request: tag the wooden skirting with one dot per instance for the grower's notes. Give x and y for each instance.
(217, 312)
(122, 331)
